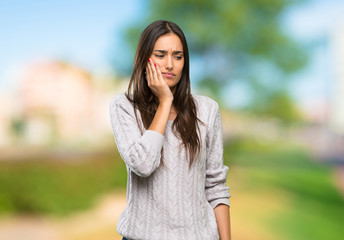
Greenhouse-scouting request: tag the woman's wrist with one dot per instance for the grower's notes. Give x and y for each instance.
(166, 101)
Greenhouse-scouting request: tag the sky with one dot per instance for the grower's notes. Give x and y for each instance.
(314, 24)
(86, 33)
(80, 31)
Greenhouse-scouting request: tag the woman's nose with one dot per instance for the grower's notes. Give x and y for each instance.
(169, 63)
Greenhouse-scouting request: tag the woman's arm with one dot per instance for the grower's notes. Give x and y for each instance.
(141, 152)
(161, 117)
(216, 190)
(160, 89)
(223, 221)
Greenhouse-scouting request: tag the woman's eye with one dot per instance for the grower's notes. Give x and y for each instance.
(179, 57)
(159, 56)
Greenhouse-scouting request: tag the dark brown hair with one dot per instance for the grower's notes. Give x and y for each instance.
(185, 126)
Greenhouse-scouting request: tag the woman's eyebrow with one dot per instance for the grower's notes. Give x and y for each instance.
(164, 51)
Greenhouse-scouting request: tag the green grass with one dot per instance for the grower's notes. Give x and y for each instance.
(317, 208)
(60, 187)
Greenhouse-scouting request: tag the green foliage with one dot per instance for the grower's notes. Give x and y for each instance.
(316, 208)
(239, 28)
(58, 186)
(230, 38)
(278, 105)
(18, 127)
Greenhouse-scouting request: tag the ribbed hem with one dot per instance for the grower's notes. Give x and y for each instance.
(153, 137)
(216, 202)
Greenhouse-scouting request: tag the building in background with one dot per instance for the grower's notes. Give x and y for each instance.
(8, 110)
(336, 121)
(57, 103)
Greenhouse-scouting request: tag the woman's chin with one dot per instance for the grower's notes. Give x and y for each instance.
(169, 83)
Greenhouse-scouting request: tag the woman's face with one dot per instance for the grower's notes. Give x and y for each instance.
(168, 55)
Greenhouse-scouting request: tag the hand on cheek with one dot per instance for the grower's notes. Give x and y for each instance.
(157, 83)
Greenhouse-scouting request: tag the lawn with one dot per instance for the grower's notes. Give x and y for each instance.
(283, 192)
(278, 191)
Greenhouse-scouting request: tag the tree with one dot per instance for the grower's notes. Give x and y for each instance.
(233, 40)
(279, 105)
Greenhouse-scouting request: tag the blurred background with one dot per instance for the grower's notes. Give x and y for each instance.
(274, 66)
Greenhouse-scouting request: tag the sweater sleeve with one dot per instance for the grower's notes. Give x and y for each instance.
(216, 172)
(142, 153)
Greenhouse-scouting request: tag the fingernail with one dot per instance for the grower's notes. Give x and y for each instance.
(148, 59)
(154, 64)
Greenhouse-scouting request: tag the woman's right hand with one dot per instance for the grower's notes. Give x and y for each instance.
(157, 83)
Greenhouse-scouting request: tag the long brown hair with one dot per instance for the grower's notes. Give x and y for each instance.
(185, 126)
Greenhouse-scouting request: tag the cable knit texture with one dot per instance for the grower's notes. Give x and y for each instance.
(174, 202)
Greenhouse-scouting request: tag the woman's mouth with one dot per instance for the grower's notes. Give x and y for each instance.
(168, 75)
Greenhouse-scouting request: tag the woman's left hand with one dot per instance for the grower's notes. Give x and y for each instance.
(157, 83)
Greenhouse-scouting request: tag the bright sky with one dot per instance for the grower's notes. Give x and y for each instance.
(87, 32)
(314, 24)
(80, 31)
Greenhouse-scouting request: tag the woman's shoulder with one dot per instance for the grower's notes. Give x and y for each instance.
(119, 99)
(121, 106)
(207, 108)
(205, 102)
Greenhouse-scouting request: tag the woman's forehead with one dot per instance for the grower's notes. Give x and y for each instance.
(168, 42)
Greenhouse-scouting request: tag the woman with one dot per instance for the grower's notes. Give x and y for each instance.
(171, 143)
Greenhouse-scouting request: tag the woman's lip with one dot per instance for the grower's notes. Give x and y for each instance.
(168, 75)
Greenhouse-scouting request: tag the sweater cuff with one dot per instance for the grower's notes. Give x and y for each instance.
(154, 138)
(216, 202)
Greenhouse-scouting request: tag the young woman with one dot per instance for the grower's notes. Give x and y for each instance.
(171, 143)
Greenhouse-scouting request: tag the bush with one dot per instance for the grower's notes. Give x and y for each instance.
(60, 187)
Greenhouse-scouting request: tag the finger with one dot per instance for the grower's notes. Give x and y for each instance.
(159, 74)
(151, 68)
(160, 78)
(155, 73)
(149, 73)
(149, 77)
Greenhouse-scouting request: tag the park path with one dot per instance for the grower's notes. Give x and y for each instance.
(98, 223)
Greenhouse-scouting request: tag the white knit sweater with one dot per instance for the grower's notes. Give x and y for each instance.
(170, 203)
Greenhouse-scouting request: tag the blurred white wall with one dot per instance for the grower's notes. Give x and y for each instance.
(57, 103)
(336, 120)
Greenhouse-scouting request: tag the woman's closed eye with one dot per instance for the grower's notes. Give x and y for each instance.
(161, 56)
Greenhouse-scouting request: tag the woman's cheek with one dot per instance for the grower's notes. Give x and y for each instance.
(157, 62)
